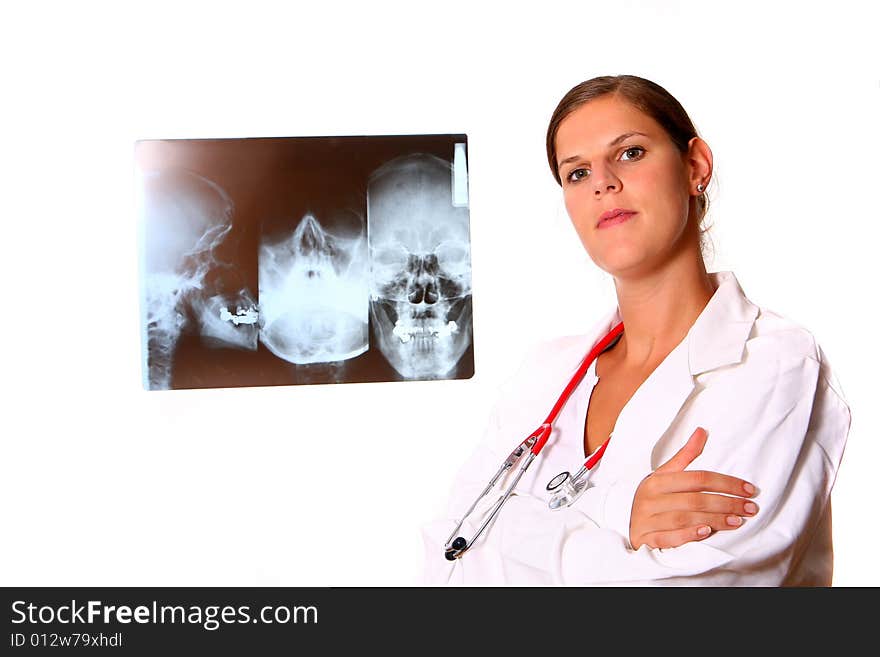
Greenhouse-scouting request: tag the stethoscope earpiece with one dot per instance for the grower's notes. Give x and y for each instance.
(458, 546)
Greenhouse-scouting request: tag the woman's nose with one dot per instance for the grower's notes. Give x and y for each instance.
(604, 181)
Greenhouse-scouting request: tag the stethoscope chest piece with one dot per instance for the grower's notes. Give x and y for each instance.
(558, 480)
(567, 489)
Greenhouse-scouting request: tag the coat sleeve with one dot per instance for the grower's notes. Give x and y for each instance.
(785, 432)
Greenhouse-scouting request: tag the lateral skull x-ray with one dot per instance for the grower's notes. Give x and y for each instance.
(358, 249)
(186, 218)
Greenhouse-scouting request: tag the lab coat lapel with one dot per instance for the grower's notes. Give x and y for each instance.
(649, 412)
(717, 338)
(546, 377)
(582, 346)
(558, 366)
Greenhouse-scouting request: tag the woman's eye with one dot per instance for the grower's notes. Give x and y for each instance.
(578, 174)
(632, 153)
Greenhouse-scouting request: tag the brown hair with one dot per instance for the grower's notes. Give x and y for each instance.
(646, 96)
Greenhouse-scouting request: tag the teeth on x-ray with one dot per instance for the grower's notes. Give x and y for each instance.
(186, 218)
(220, 328)
(313, 293)
(241, 316)
(420, 287)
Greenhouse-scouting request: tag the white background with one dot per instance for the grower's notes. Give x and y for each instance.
(103, 483)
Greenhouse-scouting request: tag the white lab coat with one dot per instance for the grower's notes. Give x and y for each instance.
(758, 384)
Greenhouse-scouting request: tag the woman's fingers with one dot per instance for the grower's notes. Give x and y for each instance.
(677, 520)
(700, 502)
(673, 533)
(673, 506)
(699, 480)
(676, 538)
(691, 450)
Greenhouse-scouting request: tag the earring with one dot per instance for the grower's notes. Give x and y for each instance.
(701, 188)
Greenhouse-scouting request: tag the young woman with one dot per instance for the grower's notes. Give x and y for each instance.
(714, 427)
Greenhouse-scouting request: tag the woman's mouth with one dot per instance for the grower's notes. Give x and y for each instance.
(614, 217)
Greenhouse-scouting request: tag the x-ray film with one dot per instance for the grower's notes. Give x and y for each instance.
(304, 260)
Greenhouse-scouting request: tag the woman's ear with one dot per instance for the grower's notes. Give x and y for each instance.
(699, 163)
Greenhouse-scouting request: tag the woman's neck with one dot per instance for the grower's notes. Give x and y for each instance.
(659, 308)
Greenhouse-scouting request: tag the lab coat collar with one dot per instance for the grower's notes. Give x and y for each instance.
(718, 336)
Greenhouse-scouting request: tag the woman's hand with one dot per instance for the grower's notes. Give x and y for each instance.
(673, 506)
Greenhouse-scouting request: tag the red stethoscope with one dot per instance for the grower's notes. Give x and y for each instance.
(566, 488)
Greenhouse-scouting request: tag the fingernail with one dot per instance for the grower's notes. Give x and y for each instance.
(734, 521)
(747, 487)
(750, 507)
(704, 531)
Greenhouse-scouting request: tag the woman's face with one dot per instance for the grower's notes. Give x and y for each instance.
(626, 187)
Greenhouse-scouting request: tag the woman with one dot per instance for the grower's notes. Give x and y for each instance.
(700, 382)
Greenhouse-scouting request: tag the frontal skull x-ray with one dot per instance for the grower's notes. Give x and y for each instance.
(187, 286)
(420, 287)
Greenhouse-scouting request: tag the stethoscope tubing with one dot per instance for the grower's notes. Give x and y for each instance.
(455, 547)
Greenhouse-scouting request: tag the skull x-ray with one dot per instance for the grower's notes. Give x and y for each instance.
(313, 293)
(186, 217)
(420, 285)
(304, 260)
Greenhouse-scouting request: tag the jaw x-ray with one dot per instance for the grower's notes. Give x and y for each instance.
(304, 260)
